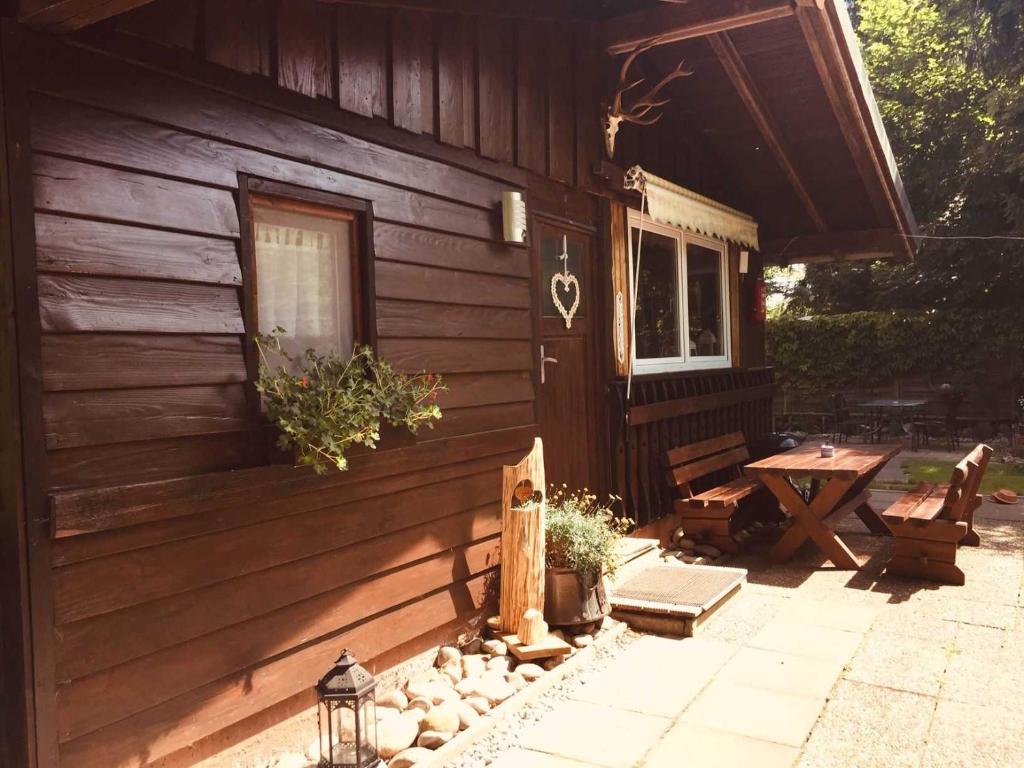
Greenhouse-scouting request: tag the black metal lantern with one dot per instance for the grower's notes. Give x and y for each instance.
(347, 716)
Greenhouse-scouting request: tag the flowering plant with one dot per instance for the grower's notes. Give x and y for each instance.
(582, 533)
(323, 404)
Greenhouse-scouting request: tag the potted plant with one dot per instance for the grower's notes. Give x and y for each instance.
(580, 550)
(324, 404)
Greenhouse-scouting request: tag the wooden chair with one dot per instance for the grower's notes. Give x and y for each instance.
(931, 521)
(710, 515)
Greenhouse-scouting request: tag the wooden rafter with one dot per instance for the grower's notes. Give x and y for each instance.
(673, 21)
(860, 137)
(748, 92)
(836, 246)
(69, 15)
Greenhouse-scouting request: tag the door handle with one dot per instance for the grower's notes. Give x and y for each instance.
(544, 360)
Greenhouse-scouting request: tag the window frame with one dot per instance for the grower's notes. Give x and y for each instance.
(682, 238)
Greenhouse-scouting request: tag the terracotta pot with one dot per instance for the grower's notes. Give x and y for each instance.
(572, 598)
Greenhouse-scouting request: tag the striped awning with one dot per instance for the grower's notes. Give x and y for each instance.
(677, 206)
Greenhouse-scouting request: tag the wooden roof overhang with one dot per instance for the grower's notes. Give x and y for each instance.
(780, 96)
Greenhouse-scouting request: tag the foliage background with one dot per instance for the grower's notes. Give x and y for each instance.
(948, 76)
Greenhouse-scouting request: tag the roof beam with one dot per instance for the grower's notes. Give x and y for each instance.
(835, 246)
(749, 94)
(69, 15)
(673, 21)
(825, 46)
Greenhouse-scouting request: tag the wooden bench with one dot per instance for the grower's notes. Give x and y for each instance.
(931, 521)
(711, 514)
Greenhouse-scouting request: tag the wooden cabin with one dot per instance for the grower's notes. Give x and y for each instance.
(168, 585)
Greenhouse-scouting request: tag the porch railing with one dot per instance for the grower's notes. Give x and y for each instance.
(677, 409)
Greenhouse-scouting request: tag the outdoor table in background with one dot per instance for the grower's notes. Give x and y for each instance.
(896, 408)
(841, 483)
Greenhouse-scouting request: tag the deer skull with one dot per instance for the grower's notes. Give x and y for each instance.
(615, 114)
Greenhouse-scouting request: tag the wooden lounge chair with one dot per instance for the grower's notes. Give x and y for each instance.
(711, 514)
(931, 521)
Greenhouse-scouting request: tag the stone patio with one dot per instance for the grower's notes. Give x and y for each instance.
(813, 667)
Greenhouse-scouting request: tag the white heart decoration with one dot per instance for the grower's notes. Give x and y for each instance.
(567, 281)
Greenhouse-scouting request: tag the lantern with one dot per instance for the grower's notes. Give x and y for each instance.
(347, 717)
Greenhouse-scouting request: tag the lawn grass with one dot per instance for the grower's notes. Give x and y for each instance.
(938, 471)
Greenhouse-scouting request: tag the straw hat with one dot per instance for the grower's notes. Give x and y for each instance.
(1005, 496)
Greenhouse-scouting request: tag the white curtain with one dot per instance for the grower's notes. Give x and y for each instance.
(304, 281)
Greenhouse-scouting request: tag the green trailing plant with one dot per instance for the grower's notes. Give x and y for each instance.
(581, 533)
(323, 404)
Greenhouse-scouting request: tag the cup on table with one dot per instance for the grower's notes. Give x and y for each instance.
(827, 451)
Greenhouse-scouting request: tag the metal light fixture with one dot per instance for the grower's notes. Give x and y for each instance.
(347, 717)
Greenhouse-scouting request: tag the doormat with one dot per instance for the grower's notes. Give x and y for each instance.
(681, 590)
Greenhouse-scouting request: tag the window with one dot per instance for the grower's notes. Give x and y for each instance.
(306, 257)
(681, 319)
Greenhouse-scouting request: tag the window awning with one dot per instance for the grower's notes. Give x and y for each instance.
(679, 207)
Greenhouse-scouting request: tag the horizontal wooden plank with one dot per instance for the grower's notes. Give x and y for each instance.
(161, 730)
(106, 697)
(104, 641)
(104, 82)
(691, 451)
(69, 304)
(395, 242)
(731, 458)
(143, 147)
(185, 507)
(411, 281)
(97, 417)
(83, 247)
(129, 578)
(416, 319)
(67, 186)
(452, 356)
(470, 389)
(461, 421)
(150, 460)
(668, 409)
(102, 361)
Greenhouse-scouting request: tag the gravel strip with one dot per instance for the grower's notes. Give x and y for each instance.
(507, 732)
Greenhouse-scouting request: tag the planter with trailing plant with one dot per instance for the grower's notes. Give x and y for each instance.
(325, 404)
(580, 550)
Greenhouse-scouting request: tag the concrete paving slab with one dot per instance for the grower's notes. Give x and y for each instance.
(866, 726)
(524, 758)
(589, 733)
(782, 672)
(807, 640)
(916, 666)
(698, 745)
(834, 615)
(754, 712)
(972, 736)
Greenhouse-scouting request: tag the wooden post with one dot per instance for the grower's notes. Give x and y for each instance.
(522, 538)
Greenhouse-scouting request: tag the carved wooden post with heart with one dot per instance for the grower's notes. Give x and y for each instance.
(522, 538)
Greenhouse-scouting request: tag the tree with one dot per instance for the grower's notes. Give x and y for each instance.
(949, 80)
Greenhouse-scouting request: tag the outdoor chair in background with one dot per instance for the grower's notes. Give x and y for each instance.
(945, 425)
(844, 424)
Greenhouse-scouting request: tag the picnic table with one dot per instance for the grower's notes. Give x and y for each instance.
(838, 486)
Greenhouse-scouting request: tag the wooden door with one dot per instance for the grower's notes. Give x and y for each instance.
(566, 399)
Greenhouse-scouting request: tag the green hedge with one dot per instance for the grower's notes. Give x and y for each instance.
(864, 349)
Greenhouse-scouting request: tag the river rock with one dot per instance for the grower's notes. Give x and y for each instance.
(383, 713)
(516, 680)
(447, 653)
(290, 760)
(686, 557)
(499, 664)
(408, 758)
(473, 665)
(453, 671)
(467, 685)
(422, 703)
(467, 714)
(582, 641)
(554, 661)
(530, 671)
(435, 692)
(443, 717)
(396, 734)
(474, 646)
(396, 699)
(433, 739)
(494, 647)
(707, 549)
(494, 689)
(415, 714)
(479, 703)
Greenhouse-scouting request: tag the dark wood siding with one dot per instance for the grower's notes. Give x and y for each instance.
(179, 552)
